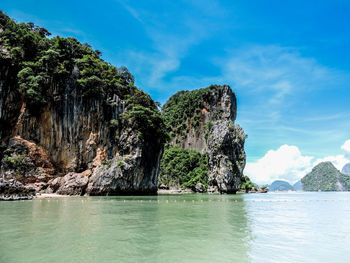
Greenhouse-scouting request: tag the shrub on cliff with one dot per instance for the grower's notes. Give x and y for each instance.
(142, 113)
(184, 168)
(14, 162)
(246, 184)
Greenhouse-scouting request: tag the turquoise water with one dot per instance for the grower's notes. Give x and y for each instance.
(291, 227)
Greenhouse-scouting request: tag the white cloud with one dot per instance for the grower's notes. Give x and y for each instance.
(285, 163)
(289, 164)
(346, 148)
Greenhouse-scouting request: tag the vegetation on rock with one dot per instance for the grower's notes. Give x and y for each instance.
(325, 177)
(183, 106)
(183, 168)
(14, 162)
(246, 184)
(203, 120)
(143, 114)
(41, 62)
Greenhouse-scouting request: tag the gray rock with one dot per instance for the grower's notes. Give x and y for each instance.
(226, 156)
(72, 184)
(200, 188)
(163, 187)
(133, 171)
(13, 190)
(122, 177)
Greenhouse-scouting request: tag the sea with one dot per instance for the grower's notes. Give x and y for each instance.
(295, 227)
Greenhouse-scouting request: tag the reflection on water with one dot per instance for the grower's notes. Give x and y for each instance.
(307, 227)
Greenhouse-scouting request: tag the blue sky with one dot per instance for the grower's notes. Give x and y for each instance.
(287, 61)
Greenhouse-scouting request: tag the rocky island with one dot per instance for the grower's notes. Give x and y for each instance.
(206, 148)
(325, 177)
(280, 185)
(71, 123)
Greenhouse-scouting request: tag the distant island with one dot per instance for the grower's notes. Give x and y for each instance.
(323, 177)
(280, 185)
(346, 169)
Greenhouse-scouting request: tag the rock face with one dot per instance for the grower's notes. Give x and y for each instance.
(71, 135)
(346, 169)
(117, 177)
(68, 119)
(213, 104)
(207, 126)
(70, 184)
(199, 188)
(13, 190)
(26, 162)
(325, 177)
(225, 150)
(72, 129)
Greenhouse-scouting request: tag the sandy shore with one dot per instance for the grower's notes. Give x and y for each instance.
(160, 192)
(40, 196)
(174, 191)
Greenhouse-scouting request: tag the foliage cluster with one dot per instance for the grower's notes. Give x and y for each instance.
(184, 168)
(246, 184)
(120, 164)
(14, 162)
(40, 60)
(143, 115)
(183, 106)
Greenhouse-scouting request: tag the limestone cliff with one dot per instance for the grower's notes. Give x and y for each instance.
(70, 122)
(203, 120)
(76, 136)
